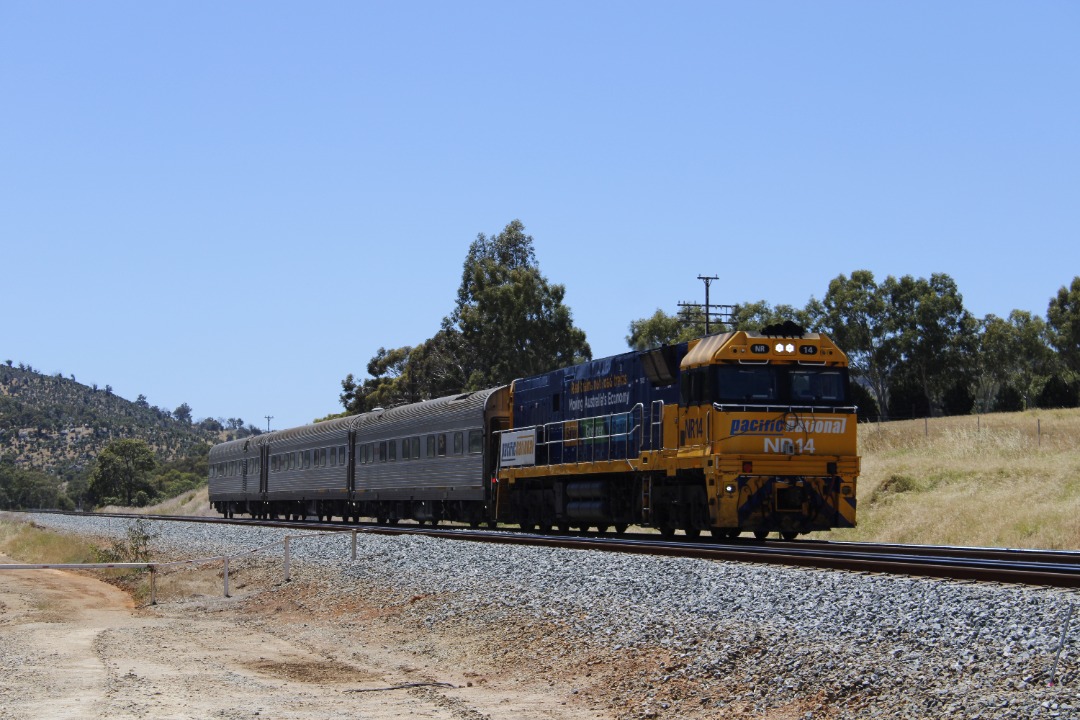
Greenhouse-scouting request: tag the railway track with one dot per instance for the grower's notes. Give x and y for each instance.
(1019, 566)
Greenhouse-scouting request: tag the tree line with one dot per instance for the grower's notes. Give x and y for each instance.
(914, 349)
(126, 472)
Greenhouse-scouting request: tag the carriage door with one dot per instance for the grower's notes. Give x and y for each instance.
(264, 469)
(351, 471)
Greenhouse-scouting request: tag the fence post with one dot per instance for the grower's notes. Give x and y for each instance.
(153, 585)
(353, 544)
(226, 577)
(1061, 644)
(286, 558)
(926, 427)
(1038, 426)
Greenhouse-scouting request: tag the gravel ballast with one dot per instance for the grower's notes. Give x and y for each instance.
(757, 636)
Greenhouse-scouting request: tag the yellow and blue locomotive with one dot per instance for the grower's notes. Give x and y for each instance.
(729, 433)
(741, 431)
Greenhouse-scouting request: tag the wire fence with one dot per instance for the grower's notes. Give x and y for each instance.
(1050, 431)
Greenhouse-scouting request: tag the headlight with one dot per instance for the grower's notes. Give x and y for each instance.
(729, 489)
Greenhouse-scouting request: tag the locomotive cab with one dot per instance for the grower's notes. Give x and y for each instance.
(770, 412)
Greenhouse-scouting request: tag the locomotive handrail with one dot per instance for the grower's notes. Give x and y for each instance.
(590, 441)
(656, 427)
(784, 408)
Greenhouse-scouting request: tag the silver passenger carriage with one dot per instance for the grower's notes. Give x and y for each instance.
(426, 461)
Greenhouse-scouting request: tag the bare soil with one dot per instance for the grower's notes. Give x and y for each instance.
(74, 646)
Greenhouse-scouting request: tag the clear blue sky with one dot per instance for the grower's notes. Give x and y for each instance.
(234, 205)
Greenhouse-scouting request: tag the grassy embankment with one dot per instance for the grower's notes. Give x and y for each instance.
(1005, 480)
(27, 543)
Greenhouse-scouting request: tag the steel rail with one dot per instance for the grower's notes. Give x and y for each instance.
(1057, 568)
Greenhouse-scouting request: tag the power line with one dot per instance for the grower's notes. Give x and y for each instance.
(723, 313)
(268, 419)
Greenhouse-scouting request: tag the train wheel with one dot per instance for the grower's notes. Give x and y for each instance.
(620, 529)
(761, 534)
(667, 531)
(789, 535)
(526, 526)
(692, 533)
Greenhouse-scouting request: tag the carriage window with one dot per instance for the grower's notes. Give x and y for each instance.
(430, 446)
(459, 443)
(382, 451)
(322, 457)
(341, 454)
(405, 447)
(442, 445)
(333, 457)
(393, 450)
(415, 442)
(307, 459)
(476, 442)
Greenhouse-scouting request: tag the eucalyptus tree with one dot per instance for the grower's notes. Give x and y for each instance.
(932, 338)
(508, 321)
(122, 468)
(1014, 361)
(512, 320)
(1063, 319)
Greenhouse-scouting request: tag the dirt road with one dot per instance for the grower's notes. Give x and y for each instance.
(72, 646)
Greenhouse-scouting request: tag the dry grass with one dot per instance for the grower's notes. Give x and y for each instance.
(25, 542)
(1008, 480)
(193, 503)
(31, 544)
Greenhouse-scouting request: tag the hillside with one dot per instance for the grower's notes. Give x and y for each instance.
(58, 426)
(1006, 480)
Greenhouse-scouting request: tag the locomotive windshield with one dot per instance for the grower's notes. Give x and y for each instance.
(765, 385)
